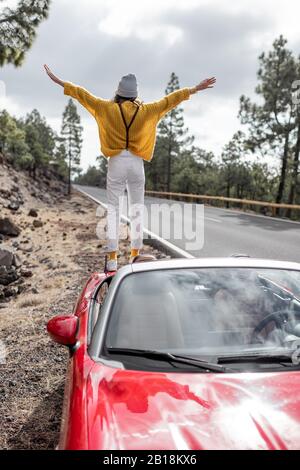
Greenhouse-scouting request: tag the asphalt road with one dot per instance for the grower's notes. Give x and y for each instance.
(225, 232)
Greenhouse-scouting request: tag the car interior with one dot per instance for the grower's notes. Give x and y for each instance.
(194, 309)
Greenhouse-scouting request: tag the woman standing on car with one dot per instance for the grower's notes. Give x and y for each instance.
(127, 131)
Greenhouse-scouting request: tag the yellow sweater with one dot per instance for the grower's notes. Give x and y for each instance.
(112, 132)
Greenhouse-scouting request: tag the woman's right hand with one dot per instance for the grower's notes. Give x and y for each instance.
(53, 77)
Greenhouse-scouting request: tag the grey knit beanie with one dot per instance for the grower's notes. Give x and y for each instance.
(128, 86)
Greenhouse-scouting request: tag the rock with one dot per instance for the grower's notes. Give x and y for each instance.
(16, 261)
(6, 257)
(34, 290)
(33, 213)
(8, 275)
(1, 293)
(5, 193)
(26, 272)
(14, 205)
(53, 265)
(37, 223)
(26, 249)
(7, 227)
(11, 291)
(21, 289)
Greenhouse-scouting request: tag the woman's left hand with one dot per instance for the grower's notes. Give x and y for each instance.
(207, 83)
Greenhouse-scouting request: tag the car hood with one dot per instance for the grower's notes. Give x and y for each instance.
(188, 411)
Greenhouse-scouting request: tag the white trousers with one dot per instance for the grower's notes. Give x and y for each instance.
(125, 170)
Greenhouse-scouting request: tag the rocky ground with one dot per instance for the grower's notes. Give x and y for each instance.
(48, 248)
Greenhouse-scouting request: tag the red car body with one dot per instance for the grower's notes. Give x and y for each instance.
(107, 408)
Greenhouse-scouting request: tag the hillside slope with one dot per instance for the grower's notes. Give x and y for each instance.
(53, 255)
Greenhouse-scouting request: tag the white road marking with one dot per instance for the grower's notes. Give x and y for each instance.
(213, 220)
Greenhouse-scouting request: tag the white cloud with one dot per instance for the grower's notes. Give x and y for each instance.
(213, 122)
(141, 19)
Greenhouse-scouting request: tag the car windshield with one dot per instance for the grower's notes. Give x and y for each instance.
(206, 311)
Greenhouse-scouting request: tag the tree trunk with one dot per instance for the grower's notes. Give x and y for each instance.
(294, 171)
(70, 171)
(228, 192)
(169, 169)
(154, 180)
(283, 171)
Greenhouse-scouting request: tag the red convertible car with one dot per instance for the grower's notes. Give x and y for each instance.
(184, 354)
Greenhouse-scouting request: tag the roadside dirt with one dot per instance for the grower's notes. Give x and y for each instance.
(61, 254)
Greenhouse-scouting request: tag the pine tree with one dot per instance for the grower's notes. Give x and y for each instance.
(18, 29)
(174, 135)
(13, 141)
(60, 158)
(231, 161)
(272, 123)
(156, 171)
(72, 133)
(40, 139)
(95, 175)
(296, 151)
(103, 164)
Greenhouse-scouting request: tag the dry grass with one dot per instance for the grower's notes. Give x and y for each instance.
(30, 300)
(57, 282)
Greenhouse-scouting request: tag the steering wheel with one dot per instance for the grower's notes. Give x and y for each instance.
(279, 318)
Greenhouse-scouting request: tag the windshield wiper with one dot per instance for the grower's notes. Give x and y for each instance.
(257, 357)
(168, 357)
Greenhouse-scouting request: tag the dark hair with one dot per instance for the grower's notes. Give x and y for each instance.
(120, 99)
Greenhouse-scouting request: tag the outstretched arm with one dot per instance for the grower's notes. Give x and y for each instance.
(89, 101)
(170, 101)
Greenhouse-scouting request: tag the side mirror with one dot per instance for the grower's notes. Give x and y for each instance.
(63, 329)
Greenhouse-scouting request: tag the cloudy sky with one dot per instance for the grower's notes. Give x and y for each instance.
(94, 42)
